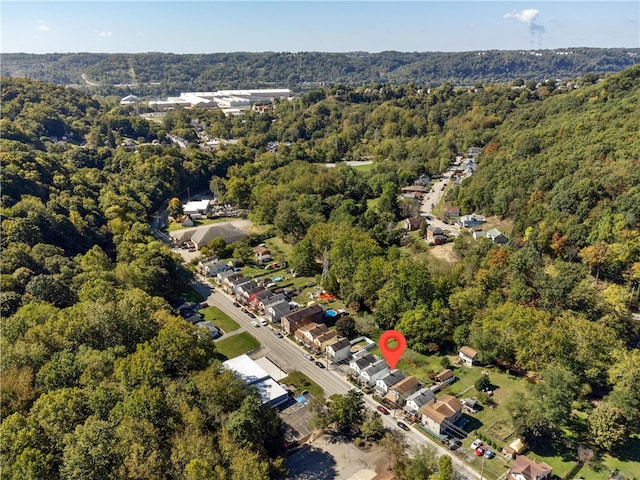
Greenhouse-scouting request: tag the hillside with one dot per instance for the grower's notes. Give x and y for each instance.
(99, 374)
(163, 73)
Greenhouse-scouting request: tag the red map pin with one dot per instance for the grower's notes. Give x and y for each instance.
(392, 354)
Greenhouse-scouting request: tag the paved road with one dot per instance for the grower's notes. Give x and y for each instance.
(433, 198)
(289, 356)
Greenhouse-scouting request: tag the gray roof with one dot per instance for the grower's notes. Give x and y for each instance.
(365, 360)
(421, 397)
(340, 344)
(304, 312)
(376, 367)
(280, 308)
(393, 378)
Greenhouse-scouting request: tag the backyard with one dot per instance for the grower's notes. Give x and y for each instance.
(301, 383)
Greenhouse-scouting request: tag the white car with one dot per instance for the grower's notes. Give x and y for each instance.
(476, 443)
(263, 321)
(254, 323)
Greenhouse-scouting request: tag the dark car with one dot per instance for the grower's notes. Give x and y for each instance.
(236, 304)
(319, 365)
(403, 426)
(251, 315)
(382, 410)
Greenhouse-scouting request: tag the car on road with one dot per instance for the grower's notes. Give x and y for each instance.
(479, 451)
(489, 453)
(476, 443)
(251, 315)
(236, 304)
(204, 305)
(263, 321)
(319, 364)
(403, 426)
(277, 333)
(308, 356)
(255, 324)
(382, 410)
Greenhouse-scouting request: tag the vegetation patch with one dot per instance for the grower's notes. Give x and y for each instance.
(301, 383)
(220, 319)
(237, 345)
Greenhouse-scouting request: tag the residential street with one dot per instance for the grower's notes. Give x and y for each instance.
(433, 198)
(289, 356)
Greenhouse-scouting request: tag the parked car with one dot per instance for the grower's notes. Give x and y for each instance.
(382, 410)
(251, 315)
(403, 426)
(236, 304)
(454, 443)
(479, 451)
(319, 364)
(308, 356)
(277, 333)
(476, 443)
(204, 305)
(254, 323)
(263, 321)
(489, 453)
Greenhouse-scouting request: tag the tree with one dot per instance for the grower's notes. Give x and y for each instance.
(483, 383)
(372, 426)
(445, 469)
(423, 464)
(556, 392)
(346, 327)
(175, 207)
(303, 258)
(608, 427)
(395, 446)
(346, 411)
(527, 416)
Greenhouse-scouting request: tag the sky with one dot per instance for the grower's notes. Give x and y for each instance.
(209, 26)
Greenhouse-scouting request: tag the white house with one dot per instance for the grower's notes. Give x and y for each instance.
(373, 372)
(383, 384)
(418, 399)
(468, 355)
(358, 364)
(339, 351)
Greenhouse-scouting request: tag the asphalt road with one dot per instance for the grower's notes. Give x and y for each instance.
(433, 198)
(289, 356)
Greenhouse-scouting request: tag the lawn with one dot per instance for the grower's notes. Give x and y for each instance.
(280, 250)
(366, 168)
(190, 295)
(237, 345)
(219, 319)
(627, 463)
(301, 382)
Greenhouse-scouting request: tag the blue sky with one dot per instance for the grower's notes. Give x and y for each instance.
(339, 26)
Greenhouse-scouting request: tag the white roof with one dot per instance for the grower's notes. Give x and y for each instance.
(196, 206)
(271, 392)
(246, 369)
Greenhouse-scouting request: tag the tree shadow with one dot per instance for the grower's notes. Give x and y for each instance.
(311, 464)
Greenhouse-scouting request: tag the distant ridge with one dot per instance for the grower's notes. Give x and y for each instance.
(162, 73)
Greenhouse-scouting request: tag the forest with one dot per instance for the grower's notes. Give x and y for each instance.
(100, 379)
(162, 74)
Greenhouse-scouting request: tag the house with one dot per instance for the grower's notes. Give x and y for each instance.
(306, 334)
(436, 235)
(262, 253)
(399, 392)
(185, 221)
(446, 376)
(322, 341)
(275, 311)
(441, 414)
(496, 236)
(358, 364)
(220, 277)
(249, 293)
(189, 314)
(414, 191)
(129, 99)
(369, 375)
(230, 282)
(339, 351)
(470, 221)
(524, 468)
(273, 299)
(468, 355)
(383, 384)
(413, 223)
(258, 297)
(197, 208)
(451, 212)
(423, 180)
(417, 399)
(292, 321)
(211, 267)
(213, 331)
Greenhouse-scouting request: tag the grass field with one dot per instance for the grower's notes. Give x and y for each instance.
(302, 382)
(190, 295)
(220, 319)
(237, 345)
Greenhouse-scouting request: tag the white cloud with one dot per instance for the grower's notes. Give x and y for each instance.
(43, 28)
(104, 34)
(530, 17)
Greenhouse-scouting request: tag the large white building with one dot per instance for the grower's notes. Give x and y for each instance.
(253, 374)
(225, 99)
